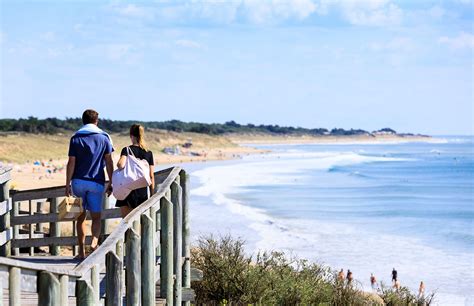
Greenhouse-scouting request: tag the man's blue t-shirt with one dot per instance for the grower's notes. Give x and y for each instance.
(89, 150)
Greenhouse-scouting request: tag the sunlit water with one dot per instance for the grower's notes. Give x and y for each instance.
(369, 208)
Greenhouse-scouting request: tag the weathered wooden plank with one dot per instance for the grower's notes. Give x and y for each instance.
(14, 286)
(5, 206)
(5, 175)
(113, 213)
(133, 268)
(54, 227)
(176, 194)
(6, 236)
(148, 260)
(63, 289)
(5, 248)
(85, 293)
(16, 228)
(36, 266)
(31, 229)
(47, 241)
(114, 269)
(166, 268)
(186, 233)
(49, 290)
(95, 282)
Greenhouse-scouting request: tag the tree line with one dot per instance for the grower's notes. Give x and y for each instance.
(55, 125)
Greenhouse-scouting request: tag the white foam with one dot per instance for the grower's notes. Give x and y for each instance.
(337, 244)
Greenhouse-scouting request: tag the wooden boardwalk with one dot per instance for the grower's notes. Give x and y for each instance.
(144, 260)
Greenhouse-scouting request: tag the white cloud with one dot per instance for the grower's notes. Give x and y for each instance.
(269, 11)
(461, 41)
(188, 43)
(370, 12)
(397, 44)
(132, 10)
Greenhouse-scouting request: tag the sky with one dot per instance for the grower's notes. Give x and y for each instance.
(364, 64)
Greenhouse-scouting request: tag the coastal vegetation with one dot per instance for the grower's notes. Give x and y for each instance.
(231, 277)
(55, 125)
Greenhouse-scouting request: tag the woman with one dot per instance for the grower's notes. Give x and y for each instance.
(140, 151)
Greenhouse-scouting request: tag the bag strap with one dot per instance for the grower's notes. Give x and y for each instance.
(130, 151)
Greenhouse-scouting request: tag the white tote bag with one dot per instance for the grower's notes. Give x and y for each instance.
(135, 174)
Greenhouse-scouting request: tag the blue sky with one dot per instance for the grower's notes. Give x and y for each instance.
(313, 63)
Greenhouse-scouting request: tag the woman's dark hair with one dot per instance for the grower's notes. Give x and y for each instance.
(137, 131)
(90, 116)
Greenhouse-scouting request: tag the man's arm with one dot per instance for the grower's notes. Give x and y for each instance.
(152, 175)
(109, 165)
(71, 163)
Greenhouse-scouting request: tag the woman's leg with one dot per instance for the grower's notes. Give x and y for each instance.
(125, 210)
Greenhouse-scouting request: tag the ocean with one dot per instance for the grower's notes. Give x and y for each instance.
(364, 207)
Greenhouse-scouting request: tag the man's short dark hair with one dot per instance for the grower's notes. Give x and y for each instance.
(90, 116)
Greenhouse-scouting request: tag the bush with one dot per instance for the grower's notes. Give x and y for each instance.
(231, 277)
(403, 296)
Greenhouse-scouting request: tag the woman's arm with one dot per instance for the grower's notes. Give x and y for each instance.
(121, 162)
(152, 175)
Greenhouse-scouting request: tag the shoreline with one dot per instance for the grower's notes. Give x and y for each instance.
(50, 171)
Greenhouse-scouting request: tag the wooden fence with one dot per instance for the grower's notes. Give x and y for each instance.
(143, 260)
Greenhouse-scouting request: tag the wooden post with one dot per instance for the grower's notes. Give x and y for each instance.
(148, 260)
(75, 248)
(31, 228)
(39, 210)
(186, 240)
(104, 225)
(155, 216)
(95, 282)
(133, 275)
(48, 291)
(119, 249)
(14, 283)
(166, 269)
(176, 195)
(113, 282)
(54, 227)
(5, 250)
(85, 293)
(64, 289)
(16, 228)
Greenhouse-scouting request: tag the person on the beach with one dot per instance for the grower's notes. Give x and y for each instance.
(394, 275)
(140, 151)
(421, 290)
(396, 285)
(373, 281)
(90, 151)
(349, 276)
(340, 275)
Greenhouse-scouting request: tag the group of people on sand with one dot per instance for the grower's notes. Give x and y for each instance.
(341, 277)
(90, 151)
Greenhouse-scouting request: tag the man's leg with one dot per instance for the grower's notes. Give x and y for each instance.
(81, 234)
(95, 229)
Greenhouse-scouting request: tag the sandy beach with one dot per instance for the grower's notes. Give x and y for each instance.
(39, 160)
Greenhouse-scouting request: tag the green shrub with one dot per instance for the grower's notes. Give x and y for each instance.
(403, 297)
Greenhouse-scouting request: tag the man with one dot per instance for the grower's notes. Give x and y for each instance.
(394, 275)
(90, 151)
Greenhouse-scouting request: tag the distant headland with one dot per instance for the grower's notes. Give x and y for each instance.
(56, 126)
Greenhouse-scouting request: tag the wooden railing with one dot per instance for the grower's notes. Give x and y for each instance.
(151, 243)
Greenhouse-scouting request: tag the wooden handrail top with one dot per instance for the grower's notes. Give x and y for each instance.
(98, 256)
(58, 191)
(37, 267)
